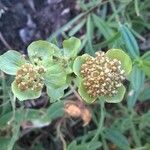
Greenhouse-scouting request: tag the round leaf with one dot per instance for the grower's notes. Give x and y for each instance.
(71, 46)
(42, 50)
(78, 63)
(55, 93)
(83, 93)
(55, 76)
(24, 95)
(117, 97)
(11, 61)
(120, 55)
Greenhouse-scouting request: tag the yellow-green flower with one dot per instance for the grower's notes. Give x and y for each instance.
(102, 76)
(33, 73)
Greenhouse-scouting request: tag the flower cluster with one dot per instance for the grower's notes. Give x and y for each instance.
(29, 77)
(46, 65)
(102, 75)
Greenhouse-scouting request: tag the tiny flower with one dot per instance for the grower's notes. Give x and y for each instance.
(102, 76)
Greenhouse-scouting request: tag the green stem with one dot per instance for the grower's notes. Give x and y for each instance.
(115, 11)
(13, 103)
(133, 129)
(101, 122)
(105, 146)
(135, 136)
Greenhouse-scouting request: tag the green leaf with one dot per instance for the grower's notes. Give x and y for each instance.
(15, 136)
(4, 141)
(120, 55)
(146, 56)
(137, 78)
(130, 42)
(117, 97)
(42, 51)
(109, 42)
(145, 94)
(136, 5)
(132, 98)
(24, 95)
(146, 70)
(78, 63)
(144, 122)
(55, 76)
(66, 26)
(71, 47)
(56, 93)
(84, 146)
(94, 145)
(55, 110)
(90, 30)
(72, 145)
(83, 93)
(145, 67)
(77, 28)
(116, 137)
(102, 26)
(11, 61)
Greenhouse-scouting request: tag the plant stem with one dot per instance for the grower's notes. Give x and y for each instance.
(115, 11)
(13, 103)
(105, 147)
(101, 122)
(135, 136)
(75, 93)
(133, 129)
(61, 135)
(2, 39)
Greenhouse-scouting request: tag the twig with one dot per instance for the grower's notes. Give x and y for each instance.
(13, 103)
(61, 135)
(101, 122)
(115, 11)
(4, 41)
(75, 93)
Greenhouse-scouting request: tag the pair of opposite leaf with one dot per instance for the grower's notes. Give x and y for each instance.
(47, 65)
(50, 65)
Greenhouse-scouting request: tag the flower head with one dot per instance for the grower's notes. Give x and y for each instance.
(46, 64)
(29, 77)
(102, 76)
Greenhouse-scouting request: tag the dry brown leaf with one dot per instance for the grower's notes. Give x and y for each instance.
(74, 109)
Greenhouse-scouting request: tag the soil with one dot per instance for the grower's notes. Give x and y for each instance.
(23, 21)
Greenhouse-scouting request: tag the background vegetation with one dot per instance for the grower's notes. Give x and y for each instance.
(100, 24)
